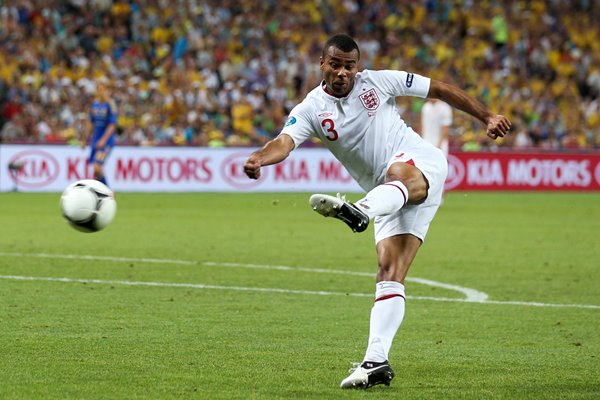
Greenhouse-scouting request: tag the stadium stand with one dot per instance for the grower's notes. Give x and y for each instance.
(226, 72)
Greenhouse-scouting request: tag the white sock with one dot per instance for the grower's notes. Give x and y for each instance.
(384, 199)
(386, 317)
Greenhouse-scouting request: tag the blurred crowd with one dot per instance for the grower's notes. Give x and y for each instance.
(226, 72)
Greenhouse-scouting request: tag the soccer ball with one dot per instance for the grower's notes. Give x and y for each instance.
(88, 205)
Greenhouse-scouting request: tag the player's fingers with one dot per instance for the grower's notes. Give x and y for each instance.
(501, 128)
(252, 171)
(249, 165)
(504, 125)
(253, 174)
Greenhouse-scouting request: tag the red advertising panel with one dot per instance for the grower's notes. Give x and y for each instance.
(519, 171)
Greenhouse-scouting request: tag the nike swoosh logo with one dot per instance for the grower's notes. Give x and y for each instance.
(373, 370)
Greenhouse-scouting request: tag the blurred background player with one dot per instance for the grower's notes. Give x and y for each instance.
(103, 123)
(436, 119)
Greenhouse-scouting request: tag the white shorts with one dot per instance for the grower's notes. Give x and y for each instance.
(415, 219)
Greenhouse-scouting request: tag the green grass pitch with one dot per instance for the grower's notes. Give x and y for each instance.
(254, 296)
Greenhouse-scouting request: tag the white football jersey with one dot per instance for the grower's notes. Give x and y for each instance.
(363, 130)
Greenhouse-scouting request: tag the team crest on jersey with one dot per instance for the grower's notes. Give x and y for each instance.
(370, 99)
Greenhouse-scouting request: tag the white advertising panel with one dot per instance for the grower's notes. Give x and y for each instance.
(50, 168)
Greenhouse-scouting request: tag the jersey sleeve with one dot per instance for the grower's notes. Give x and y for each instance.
(298, 125)
(401, 83)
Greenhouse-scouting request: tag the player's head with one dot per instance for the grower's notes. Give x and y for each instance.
(102, 91)
(339, 64)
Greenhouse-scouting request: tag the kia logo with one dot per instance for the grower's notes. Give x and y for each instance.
(33, 168)
(597, 173)
(232, 170)
(456, 172)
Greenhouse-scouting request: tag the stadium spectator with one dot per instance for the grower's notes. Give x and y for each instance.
(542, 56)
(13, 129)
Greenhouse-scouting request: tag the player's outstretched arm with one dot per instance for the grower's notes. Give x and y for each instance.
(496, 125)
(273, 152)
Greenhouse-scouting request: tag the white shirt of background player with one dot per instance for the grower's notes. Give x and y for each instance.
(436, 119)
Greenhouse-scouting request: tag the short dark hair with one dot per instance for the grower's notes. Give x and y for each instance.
(343, 42)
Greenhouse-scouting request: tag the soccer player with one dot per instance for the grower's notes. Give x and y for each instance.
(103, 121)
(354, 115)
(436, 119)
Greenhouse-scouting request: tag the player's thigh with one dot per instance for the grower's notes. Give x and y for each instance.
(99, 155)
(413, 219)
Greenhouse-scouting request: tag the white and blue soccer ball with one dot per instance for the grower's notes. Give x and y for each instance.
(88, 205)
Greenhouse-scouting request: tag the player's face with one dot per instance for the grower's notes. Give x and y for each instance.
(102, 92)
(339, 70)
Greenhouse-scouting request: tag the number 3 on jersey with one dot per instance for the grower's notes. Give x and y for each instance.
(329, 127)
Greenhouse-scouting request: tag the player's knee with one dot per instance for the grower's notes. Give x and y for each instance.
(385, 272)
(412, 178)
(390, 267)
(391, 271)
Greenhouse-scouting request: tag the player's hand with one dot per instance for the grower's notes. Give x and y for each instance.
(252, 167)
(100, 144)
(498, 126)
